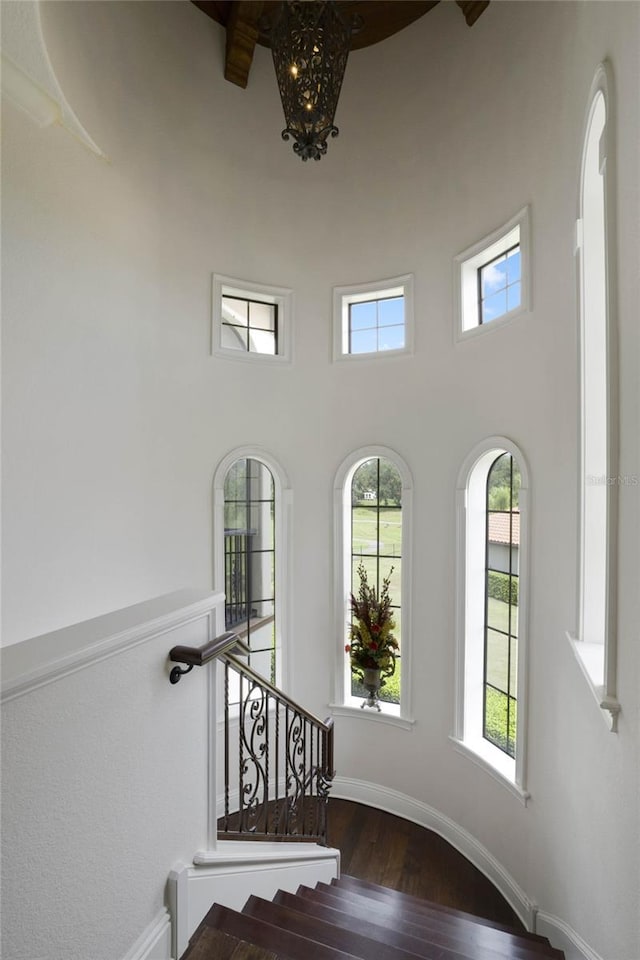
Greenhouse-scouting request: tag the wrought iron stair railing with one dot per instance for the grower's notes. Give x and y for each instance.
(277, 756)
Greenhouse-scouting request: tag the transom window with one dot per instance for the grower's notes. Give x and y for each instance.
(249, 325)
(492, 278)
(373, 319)
(376, 325)
(251, 321)
(499, 285)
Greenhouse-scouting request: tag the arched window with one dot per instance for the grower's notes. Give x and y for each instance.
(491, 609)
(373, 494)
(502, 546)
(249, 566)
(595, 643)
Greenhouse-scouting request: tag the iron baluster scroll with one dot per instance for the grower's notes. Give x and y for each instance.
(278, 760)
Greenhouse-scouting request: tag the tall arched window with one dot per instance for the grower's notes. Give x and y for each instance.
(596, 633)
(502, 547)
(491, 610)
(373, 502)
(249, 563)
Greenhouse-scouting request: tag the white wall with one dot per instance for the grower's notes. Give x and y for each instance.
(115, 414)
(104, 778)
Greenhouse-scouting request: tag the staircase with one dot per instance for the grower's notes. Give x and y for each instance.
(351, 918)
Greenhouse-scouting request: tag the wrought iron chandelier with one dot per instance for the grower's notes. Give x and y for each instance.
(310, 44)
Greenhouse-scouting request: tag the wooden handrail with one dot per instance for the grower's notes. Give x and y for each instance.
(198, 656)
(224, 647)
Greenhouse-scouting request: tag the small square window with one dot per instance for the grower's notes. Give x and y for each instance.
(251, 321)
(373, 319)
(492, 278)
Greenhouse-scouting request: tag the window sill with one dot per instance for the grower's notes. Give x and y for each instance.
(375, 355)
(480, 329)
(497, 764)
(590, 657)
(249, 356)
(389, 714)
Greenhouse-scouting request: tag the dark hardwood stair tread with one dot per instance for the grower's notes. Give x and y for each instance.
(428, 924)
(441, 945)
(348, 940)
(211, 944)
(409, 898)
(286, 945)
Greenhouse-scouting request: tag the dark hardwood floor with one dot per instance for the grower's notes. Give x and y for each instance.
(396, 853)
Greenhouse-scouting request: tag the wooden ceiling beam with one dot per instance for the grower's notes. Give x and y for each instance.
(472, 9)
(242, 36)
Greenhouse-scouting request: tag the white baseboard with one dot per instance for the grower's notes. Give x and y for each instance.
(154, 943)
(559, 933)
(564, 938)
(404, 806)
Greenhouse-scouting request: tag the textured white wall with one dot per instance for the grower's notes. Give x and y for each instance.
(104, 780)
(115, 414)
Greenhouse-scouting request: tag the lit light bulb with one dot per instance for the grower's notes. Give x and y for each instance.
(294, 70)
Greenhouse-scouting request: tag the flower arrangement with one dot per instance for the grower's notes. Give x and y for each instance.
(372, 643)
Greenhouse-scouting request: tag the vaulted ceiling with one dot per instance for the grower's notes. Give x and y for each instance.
(244, 22)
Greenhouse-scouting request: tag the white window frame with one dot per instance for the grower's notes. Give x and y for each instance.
(282, 297)
(343, 297)
(283, 549)
(344, 704)
(471, 508)
(595, 644)
(468, 263)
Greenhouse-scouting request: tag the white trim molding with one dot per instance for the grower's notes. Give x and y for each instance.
(41, 660)
(564, 937)
(594, 638)
(154, 943)
(28, 78)
(401, 805)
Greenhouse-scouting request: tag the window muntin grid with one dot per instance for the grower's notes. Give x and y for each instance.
(499, 701)
(376, 325)
(376, 541)
(249, 558)
(249, 325)
(500, 285)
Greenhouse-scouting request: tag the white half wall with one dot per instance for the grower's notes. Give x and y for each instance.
(104, 782)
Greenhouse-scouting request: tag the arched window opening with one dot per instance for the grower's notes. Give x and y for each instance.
(501, 604)
(491, 614)
(376, 543)
(594, 642)
(372, 498)
(250, 561)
